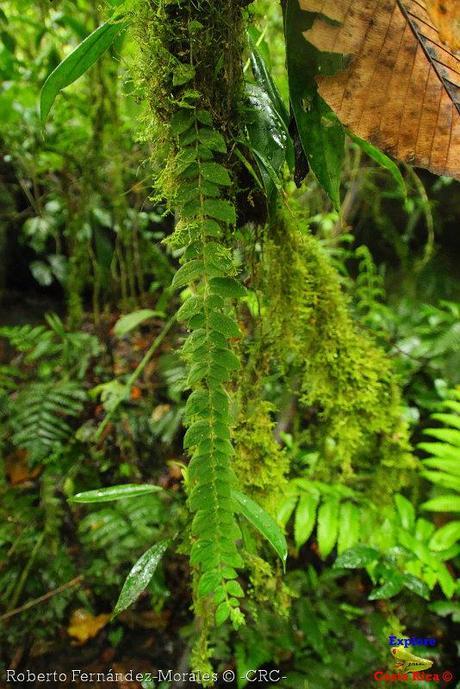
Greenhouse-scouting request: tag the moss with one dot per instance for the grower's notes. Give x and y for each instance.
(345, 378)
(261, 464)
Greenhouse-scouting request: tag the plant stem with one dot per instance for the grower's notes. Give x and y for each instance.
(136, 373)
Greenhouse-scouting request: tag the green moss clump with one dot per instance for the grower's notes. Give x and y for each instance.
(345, 379)
(261, 464)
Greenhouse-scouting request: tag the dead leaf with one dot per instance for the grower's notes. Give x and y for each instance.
(84, 625)
(446, 17)
(401, 90)
(18, 470)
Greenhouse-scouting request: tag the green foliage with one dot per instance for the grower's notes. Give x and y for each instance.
(306, 360)
(443, 470)
(40, 414)
(76, 64)
(342, 373)
(140, 576)
(195, 183)
(321, 134)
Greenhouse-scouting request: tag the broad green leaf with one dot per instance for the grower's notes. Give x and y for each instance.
(349, 527)
(77, 63)
(305, 517)
(383, 160)
(359, 556)
(263, 522)
(321, 134)
(188, 273)
(445, 537)
(128, 490)
(416, 585)
(220, 209)
(268, 139)
(130, 321)
(222, 613)
(228, 287)
(214, 172)
(328, 526)
(445, 503)
(390, 588)
(406, 512)
(444, 608)
(140, 576)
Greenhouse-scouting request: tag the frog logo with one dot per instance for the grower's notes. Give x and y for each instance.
(408, 662)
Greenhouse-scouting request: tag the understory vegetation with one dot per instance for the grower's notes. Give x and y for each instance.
(229, 357)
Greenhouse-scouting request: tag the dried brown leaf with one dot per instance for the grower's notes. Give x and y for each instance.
(446, 17)
(401, 90)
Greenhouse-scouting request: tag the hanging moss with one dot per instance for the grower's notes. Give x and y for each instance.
(345, 378)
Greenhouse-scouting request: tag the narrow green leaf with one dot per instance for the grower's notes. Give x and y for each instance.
(328, 526)
(77, 63)
(445, 503)
(349, 527)
(441, 479)
(140, 576)
(131, 320)
(383, 160)
(305, 517)
(406, 512)
(263, 522)
(445, 537)
(128, 490)
(265, 80)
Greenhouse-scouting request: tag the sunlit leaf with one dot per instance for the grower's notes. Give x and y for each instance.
(77, 63)
(128, 490)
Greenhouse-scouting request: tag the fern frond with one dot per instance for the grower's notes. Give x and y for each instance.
(40, 415)
(444, 468)
(208, 271)
(34, 340)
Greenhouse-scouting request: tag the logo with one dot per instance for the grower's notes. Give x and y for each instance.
(410, 667)
(408, 662)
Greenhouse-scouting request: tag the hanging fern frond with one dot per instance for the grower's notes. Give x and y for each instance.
(443, 469)
(208, 271)
(40, 414)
